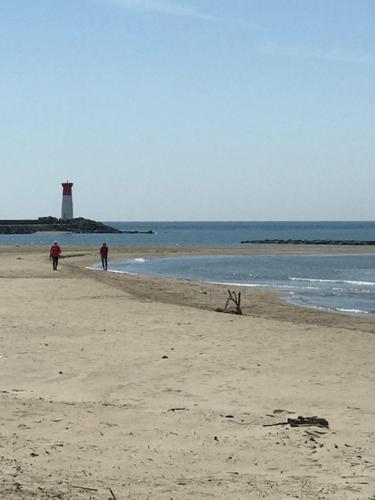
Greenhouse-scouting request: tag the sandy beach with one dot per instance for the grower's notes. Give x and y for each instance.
(125, 387)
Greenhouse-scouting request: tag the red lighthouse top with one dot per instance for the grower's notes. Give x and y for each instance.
(67, 188)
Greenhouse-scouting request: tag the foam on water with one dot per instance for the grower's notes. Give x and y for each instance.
(247, 285)
(350, 282)
(352, 311)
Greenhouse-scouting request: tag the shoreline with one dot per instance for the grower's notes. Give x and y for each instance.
(286, 296)
(256, 301)
(283, 297)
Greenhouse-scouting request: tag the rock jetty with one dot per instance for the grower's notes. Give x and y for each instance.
(52, 224)
(311, 242)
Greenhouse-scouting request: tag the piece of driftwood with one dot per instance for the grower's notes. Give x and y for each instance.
(112, 494)
(236, 299)
(306, 421)
(86, 488)
(302, 422)
(275, 424)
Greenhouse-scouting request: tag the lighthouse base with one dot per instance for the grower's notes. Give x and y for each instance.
(67, 208)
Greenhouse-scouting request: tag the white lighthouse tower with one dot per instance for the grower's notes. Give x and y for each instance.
(67, 201)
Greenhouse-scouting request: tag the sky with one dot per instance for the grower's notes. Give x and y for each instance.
(188, 109)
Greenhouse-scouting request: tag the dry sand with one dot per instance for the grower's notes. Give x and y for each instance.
(118, 387)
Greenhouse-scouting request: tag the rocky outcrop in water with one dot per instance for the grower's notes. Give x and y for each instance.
(311, 242)
(52, 224)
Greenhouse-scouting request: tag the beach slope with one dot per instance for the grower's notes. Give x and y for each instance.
(127, 387)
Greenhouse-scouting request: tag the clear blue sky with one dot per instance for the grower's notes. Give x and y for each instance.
(188, 109)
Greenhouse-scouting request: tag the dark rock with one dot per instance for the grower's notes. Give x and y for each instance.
(47, 220)
(51, 224)
(310, 242)
(137, 232)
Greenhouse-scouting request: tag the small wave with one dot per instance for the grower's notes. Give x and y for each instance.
(354, 311)
(273, 286)
(139, 260)
(98, 267)
(249, 285)
(349, 282)
(294, 287)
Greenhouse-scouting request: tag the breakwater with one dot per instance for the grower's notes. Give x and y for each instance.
(52, 224)
(310, 242)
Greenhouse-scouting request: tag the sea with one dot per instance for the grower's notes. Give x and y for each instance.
(343, 283)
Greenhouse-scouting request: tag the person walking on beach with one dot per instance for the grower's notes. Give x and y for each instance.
(54, 255)
(104, 256)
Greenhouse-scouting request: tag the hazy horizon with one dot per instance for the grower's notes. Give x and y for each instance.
(236, 220)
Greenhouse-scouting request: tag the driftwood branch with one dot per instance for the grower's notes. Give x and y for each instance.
(306, 421)
(112, 494)
(235, 298)
(86, 488)
(276, 423)
(302, 422)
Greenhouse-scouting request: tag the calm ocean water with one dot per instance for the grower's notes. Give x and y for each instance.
(206, 234)
(344, 283)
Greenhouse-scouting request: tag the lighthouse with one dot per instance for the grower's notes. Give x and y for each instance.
(67, 201)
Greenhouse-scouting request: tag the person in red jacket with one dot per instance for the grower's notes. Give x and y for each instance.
(104, 256)
(54, 254)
